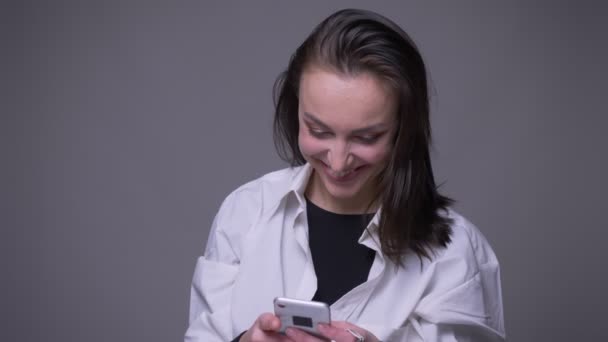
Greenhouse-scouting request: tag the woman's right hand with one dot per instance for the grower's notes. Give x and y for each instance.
(265, 329)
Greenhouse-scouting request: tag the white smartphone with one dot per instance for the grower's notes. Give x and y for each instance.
(301, 314)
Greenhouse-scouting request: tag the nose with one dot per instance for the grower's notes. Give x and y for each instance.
(339, 157)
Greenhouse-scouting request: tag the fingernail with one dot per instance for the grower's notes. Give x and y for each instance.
(289, 332)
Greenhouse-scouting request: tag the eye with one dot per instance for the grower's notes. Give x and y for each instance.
(318, 133)
(368, 139)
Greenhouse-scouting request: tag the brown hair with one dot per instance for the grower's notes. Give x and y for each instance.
(352, 42)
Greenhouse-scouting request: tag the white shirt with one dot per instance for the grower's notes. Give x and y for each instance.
(258, 250)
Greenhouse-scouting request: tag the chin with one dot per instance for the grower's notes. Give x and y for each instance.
(345, 191)
(340, 193)
(346, 188)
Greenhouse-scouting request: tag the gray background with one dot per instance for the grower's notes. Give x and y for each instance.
(124, 124)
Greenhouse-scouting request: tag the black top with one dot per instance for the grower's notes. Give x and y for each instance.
(340, 262)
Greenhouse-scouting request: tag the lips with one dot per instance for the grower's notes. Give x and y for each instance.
(343, 177)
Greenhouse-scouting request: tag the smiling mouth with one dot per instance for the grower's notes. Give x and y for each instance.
(343, 176)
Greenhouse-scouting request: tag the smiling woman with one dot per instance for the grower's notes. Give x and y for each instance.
(356, 221)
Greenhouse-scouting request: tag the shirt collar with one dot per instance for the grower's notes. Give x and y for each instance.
(299, 183)
(297, 188)
(370, 237)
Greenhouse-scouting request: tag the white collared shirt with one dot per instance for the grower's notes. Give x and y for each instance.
(258, 250)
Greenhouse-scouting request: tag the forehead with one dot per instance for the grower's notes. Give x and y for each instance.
(346, 101)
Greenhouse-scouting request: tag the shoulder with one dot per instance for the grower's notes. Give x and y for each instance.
(243, 207)
(275, 180)
(259, 194)
(462, 283)
(468, 245)
(469, 236)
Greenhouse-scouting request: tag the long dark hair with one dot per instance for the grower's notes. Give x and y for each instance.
(352, 42)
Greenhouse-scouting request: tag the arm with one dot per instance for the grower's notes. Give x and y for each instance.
(213, 280)
(471, 311)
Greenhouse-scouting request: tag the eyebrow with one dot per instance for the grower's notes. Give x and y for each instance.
(375, 127)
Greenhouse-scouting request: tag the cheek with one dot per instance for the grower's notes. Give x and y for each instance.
(310, 146)
(372, 154)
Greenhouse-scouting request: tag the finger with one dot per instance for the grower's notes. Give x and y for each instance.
(342, 325)
(271, 337)
(298, 335)
(276, 337)
(338, 333)
(269, 322)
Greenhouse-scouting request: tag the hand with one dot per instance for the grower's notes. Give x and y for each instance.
(335, 332)
(265, 329)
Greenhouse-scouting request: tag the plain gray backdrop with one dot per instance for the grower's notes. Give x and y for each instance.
(125, 124)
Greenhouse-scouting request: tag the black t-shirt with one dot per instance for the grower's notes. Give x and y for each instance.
(340, 262)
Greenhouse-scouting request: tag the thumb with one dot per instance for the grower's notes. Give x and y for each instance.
(269, 322)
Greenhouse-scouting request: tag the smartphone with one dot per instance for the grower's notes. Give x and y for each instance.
(301, 314)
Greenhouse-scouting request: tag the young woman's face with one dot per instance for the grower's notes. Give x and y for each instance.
(346, 128)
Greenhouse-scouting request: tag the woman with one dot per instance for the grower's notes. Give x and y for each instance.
(356, 221)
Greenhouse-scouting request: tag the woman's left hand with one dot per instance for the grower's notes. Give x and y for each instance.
(337, 331)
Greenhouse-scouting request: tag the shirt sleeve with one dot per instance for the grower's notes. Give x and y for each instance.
(214, 276)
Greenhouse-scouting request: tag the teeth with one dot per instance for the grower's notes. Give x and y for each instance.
(342, 174)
